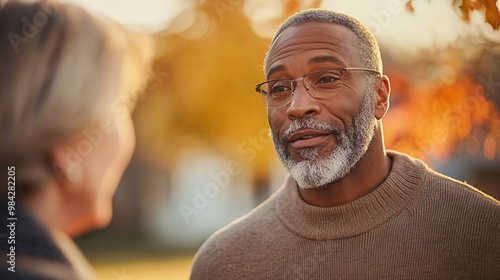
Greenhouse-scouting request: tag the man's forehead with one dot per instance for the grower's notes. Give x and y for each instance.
(313, 35)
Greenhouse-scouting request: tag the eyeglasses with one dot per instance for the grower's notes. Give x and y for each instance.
(319, 84)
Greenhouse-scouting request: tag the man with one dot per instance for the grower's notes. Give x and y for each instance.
(350, 209)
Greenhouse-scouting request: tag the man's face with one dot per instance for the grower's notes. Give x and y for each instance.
(320, 140)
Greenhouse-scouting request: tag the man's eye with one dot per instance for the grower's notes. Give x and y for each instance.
(327, 79)
(278, 89)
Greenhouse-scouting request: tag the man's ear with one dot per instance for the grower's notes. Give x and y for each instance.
(383, 94)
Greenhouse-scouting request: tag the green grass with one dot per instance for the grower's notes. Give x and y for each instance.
(166, 268)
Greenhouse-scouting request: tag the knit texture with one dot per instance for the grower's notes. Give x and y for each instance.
(418, 224)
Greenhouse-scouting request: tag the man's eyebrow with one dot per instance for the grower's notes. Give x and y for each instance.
(274, 70)
(316, 59)
(332, 59)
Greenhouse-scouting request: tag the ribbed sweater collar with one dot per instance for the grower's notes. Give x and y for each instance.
(401, 187)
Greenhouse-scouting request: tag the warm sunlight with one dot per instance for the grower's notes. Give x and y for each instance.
(204, 156)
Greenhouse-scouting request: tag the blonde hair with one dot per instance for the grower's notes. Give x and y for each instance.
(62, 68)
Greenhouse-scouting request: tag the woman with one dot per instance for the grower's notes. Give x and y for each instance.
(67, 80)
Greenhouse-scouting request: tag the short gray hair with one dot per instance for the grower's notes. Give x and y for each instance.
(369, 51)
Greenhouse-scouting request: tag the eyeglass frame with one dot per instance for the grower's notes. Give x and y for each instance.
(341, 70)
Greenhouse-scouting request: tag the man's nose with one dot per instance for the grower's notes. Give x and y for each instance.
(302, 104)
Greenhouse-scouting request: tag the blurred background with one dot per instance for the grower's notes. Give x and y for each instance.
(203, 154)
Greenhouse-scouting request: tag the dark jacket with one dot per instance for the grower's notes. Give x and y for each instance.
(35, 254)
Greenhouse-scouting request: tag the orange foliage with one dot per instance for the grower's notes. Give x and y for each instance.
(432, 118)
(487, 7)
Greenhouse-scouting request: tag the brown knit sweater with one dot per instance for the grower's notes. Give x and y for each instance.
(418, 224)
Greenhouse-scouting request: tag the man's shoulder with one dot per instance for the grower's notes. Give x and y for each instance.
(444, 193)
(242, 239)
(460, 199)
(435, 181)
(459, 190)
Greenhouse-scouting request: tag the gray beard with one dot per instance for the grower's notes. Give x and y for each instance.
(316, 172)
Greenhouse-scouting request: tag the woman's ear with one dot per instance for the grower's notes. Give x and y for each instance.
(383, 90)
(67, 167)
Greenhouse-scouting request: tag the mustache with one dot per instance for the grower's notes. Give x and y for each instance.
(310, 123)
